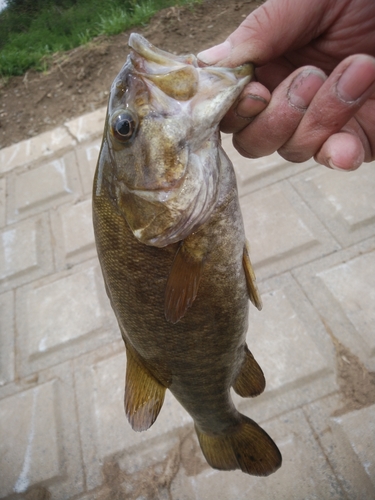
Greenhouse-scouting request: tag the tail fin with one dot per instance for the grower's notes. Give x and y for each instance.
(247, 447)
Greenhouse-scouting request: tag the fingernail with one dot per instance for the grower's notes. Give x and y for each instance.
(304, 87)
(215, 54)
(356, 79)
(356, 162)
(250, 105)
(333, 166)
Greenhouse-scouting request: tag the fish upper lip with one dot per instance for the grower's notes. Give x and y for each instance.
(150, 53)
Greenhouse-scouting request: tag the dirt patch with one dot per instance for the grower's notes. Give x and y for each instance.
(357, 384)
(153, 481)
(78, 81)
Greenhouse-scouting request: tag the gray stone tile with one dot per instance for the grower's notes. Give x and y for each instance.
(48, 185)
(2, 201)
(73, 233)
(293, 349)
(104, 429)
(7, 336)
(348, 441)
(290, 343)
(174, 468)
(346, 282)
(25, 252)
(146, 474)
(87, 126)
(282, 231)
(344, 202)
(33, 149)
(39, 443)
(253, 174)
(341, 287)
(87, 157)
(31, 461)
(304, 474)
(358, 428)
(62, 423)
(61, 317)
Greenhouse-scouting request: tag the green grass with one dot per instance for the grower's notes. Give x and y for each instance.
(28, 38)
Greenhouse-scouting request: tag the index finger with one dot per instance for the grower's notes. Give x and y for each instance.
(266, 33)
(252, 101)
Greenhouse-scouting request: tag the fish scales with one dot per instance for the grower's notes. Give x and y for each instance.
(176, 269)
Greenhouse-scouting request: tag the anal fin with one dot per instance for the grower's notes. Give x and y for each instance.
(183, 282)
(250, 381)
(144, 394)
(252, 288)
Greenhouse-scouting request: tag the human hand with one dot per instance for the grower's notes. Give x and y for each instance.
(318, 61)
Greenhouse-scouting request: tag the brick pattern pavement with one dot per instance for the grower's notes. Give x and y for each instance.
(62, 425)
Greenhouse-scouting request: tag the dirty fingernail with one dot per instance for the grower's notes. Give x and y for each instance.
(356, 79)
(304, 87)
(250, 105)
(215, 54)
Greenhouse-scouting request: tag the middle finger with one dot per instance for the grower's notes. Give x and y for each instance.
(277, 123)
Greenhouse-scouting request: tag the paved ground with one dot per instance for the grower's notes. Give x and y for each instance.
(62, 425)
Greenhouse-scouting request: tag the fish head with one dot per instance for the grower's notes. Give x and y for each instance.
(160, 145)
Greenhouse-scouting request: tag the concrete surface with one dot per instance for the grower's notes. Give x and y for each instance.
(62, 425)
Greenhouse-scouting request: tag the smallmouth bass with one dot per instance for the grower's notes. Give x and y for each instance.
(172, 248)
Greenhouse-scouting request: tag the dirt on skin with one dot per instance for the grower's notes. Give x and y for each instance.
(78, 81)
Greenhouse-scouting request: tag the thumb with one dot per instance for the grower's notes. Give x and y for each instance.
(270, 30)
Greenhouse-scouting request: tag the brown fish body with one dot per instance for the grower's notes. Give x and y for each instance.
(182, 303)
(199, 343)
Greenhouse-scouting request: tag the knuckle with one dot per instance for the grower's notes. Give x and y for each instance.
(295, 155)
(252, 149)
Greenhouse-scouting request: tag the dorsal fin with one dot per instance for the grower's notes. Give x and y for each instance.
(252, 288)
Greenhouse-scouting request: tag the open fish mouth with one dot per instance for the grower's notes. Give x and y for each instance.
(152, 54)
(176, 76)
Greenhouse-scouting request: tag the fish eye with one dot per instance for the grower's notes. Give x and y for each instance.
(123, 126)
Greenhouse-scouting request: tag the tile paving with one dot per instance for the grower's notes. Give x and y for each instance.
(63, 432)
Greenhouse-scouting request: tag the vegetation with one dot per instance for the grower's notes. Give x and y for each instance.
(32, 30)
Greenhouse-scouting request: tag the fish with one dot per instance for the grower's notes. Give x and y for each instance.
(174, 257)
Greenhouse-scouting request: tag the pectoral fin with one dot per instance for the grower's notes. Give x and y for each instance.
(183, 282)
(252, 288)
(250, 381)
(144, 394)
